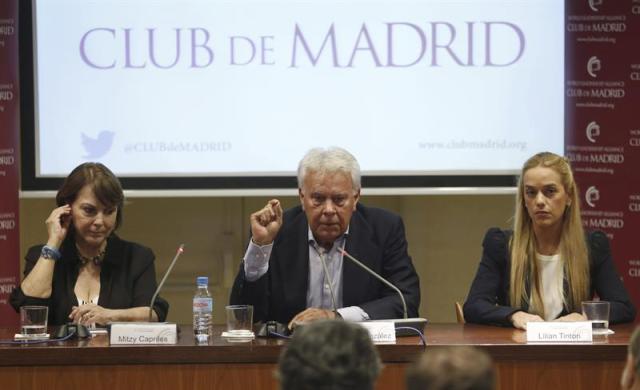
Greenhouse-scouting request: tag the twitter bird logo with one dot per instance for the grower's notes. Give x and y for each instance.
(97, 147)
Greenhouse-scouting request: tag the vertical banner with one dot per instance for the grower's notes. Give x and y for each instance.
(9, 146)
(602, 108)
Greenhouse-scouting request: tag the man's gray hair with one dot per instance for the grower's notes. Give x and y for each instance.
(329, 160)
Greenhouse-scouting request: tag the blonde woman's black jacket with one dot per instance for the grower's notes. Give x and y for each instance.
(488, 299)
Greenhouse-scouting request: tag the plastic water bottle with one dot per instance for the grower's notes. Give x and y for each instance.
(202, 310)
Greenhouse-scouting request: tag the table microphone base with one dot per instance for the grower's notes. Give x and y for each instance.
(400, 323)
(272, 329)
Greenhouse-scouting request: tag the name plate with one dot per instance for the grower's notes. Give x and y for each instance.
(559, 332)
(143, 333)
(381, 332)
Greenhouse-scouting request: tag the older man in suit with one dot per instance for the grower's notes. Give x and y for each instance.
(282, 273)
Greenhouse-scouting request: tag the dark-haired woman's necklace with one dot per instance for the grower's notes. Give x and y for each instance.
(97, 260)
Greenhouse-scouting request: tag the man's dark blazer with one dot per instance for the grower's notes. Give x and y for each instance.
(488, 300)
(376, 238)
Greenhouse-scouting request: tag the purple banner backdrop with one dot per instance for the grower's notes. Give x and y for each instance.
(9, 146)
(603, 123)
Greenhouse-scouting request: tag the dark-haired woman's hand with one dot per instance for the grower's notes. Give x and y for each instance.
(58, 225)
(90, 314)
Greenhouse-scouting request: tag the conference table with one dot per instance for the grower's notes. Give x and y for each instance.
(94, 364)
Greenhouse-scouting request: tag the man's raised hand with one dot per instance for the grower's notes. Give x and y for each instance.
(266, 222)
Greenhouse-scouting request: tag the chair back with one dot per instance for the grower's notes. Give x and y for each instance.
(459, 313)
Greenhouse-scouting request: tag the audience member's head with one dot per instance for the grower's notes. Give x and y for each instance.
(451, 368)
(631, 374)
(329, 355)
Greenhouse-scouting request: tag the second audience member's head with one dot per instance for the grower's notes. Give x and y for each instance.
(329, 190)
(452, 368)
(329, 355)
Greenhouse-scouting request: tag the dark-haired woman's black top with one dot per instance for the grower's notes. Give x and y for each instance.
(127, 279)
(488, 299)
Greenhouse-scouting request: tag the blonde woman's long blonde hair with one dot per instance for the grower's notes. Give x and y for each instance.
(573, 248)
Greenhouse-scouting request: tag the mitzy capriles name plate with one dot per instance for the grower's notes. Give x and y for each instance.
(559, 332)
(143, 333)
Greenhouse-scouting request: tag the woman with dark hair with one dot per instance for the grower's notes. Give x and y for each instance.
(85, 273)
(546, 266)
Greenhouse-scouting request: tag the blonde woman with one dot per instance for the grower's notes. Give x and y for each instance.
(546, 266)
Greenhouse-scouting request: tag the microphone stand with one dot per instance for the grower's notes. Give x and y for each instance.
(380, 278)
(405, 326)
(166, 274)
(147, 332)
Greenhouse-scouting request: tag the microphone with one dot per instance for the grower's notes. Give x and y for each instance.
(380, 278)
(403, 324)
(147, 332)
(164, 278)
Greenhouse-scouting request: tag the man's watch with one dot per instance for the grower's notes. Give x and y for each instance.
(50, 253)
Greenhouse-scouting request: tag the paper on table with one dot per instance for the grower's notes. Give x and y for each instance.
(21, 337)
(238, 335)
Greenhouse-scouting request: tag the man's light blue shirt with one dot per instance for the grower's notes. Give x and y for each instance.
(256, 264)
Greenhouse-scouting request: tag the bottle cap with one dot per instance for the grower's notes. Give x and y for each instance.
(202, 280)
